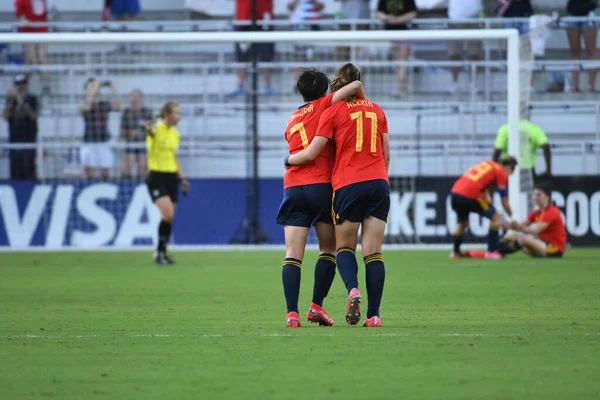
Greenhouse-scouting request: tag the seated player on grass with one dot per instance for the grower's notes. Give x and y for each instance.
(542, 234)
(359, 131)
(470, 194)
(307, 198)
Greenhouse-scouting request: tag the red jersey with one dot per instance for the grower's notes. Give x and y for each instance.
(243, 9)
(357, 130)
(300, 131)
(555, 233)
(33, 11)
(479, 178)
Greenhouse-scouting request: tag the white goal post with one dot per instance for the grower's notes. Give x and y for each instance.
(341, 38)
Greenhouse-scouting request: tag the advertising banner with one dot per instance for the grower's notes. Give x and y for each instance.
(121, 214)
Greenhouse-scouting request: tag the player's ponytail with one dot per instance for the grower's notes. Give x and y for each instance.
(167, 108)
(344, 75)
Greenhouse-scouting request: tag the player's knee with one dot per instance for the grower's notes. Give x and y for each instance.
(327, 249)
(167, 214)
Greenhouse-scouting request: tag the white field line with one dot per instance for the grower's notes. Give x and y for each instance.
(269, 335)
(235, 247)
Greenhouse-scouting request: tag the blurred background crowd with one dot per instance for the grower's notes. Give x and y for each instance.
(96, 98)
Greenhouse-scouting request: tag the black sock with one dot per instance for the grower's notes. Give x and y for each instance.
(457, 241)
(164, 234)
(290, 275)
(324, 274)
(348, 267)
(492, 239)
(375, 278)
(509, 247)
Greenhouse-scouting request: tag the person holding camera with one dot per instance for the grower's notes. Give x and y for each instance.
(96, 153)
(21, 113)
(133, 133)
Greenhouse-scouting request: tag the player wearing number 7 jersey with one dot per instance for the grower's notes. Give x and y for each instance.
(307, 198)
(358, 129)
(470, 194)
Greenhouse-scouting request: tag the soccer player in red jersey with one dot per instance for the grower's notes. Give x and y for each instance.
(358, 129)
(307, 198)
(546, 223)
(470, 194)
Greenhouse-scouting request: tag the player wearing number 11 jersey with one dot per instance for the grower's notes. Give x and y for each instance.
(358, 129)
(307, 198)
(470, 194)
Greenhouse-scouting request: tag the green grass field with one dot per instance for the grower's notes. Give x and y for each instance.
(114, 326)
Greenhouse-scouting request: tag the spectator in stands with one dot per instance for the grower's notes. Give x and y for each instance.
(302, 13)
(587, 30)
(125, 10)
(396, 14)
(96, 153)
(537, 139)
(460, 10)
(21, 113)
(517, 9)
(34, 11)
(353, 10)
(133, 120)
(264, 52)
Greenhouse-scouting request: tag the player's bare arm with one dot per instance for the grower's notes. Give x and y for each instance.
(386, 151)
(185, 185)
(310, 153)
(531, 229)
(547, 157)
(496, 155)
(506, 206)
(352, 89)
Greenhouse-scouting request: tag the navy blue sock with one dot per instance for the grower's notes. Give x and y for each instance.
(509, 247)
(324, 274)
(456, 242)
(375, 278)
(348, 267)
(290, 276)
(493, 236)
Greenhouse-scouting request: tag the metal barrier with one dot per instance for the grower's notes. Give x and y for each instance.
(227, 24)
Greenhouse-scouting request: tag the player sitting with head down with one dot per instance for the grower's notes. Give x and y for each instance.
(546, 223)
(470, 194)
(359, 131)
(307, 198)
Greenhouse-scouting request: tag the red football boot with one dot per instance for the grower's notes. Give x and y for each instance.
(476, 254)
(316, 314)
(494, 255)
(373, 322)
(353, 309)
(293, 320)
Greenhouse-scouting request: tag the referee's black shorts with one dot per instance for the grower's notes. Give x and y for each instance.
(161, 184)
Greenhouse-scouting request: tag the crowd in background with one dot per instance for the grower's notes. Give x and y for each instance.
(96, 156)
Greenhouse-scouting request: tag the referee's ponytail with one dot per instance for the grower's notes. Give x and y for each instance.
(167, 108)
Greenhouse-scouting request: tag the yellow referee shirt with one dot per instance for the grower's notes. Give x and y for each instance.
(537, 138)
(162, 147)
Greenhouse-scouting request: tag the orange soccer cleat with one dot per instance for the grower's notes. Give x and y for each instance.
(373, 322)
(293, 320)
(494, 255)
(353, 309)
(475, 254)
(317, 315)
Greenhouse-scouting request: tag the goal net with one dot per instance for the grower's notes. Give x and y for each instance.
(87, 186)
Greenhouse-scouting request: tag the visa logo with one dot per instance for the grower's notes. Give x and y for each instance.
(77, 215)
